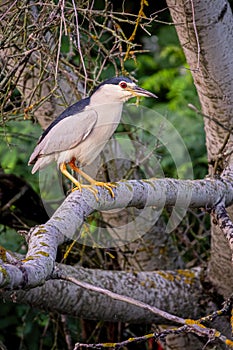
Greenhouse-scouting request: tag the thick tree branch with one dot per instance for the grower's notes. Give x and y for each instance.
(43, 240)
(151, 292)
(142, 299)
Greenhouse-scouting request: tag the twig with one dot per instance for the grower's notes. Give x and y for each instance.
(220, 155)
(138, 20)
(190, 325)
(146, 337)
(123, 298)
(216, 121)
(58, 49)
(63, 16)
(8, 10)
(197, 39)
(226, 310)
(64, 322)
(15, 198)
(79, 46)
(156, 336)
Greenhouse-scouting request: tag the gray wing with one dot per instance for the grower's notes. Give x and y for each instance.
(66, 134)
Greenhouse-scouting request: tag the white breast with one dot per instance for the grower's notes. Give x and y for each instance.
(109, 116)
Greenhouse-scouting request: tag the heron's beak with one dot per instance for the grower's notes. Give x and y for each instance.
(138, 91)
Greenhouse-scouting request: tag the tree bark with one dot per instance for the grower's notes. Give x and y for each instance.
(160, 289)
(205, 30)
(43, 240)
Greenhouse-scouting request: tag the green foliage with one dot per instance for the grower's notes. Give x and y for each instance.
(18, 138)
(11, 240)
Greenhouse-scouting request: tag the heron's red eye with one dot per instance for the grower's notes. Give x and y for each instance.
(123, 84)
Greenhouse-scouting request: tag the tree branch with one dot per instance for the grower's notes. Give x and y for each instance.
(43, 240)
(223, 220)
(85, 293)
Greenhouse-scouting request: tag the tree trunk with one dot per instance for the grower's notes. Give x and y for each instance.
(205, 30)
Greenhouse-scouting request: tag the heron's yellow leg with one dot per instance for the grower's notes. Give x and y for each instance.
(93, 182)
(78, 185)
(69, 176)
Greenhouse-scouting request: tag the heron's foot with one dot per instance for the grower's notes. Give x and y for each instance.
(79, 187)
(109, 186)
(92, 181)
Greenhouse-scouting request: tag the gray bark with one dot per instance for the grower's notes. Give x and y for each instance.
(43, 240)
(209, 27)
(160, 289)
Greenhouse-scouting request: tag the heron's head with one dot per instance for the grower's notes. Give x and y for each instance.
(118, 89)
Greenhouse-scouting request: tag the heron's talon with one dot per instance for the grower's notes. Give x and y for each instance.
(108, 186)
(77, 188)
(89, 187)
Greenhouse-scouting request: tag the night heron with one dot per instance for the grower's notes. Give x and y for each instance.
(80, 133)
